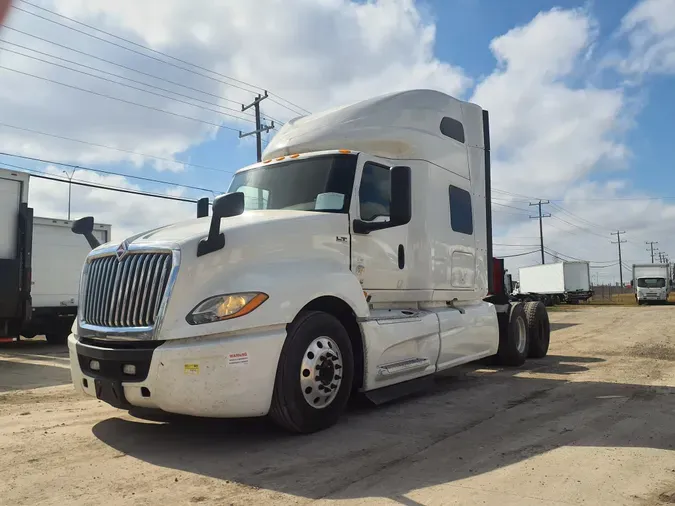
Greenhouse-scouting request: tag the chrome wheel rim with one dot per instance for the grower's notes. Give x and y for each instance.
(321, 372)
(521, 338)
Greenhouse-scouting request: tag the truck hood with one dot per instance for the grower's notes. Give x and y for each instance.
(190, 231)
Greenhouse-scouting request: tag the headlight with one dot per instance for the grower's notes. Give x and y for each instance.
(225, 307)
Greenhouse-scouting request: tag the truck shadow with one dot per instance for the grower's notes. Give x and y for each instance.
(476, 420)
(30, 364)
(561, 326)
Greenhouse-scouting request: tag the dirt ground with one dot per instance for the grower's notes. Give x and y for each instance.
(593, 423)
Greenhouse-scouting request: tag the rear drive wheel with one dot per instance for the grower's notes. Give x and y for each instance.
(513, 337)
(314, 375)
(539, 329)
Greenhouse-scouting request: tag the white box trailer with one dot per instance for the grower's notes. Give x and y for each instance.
(57, 260)
(15, 251)
(40, 265)
(651, 282)
(558, 282)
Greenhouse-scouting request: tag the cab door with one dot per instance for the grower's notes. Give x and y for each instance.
(378, 258)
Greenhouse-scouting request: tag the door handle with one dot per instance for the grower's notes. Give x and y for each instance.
(401, 256)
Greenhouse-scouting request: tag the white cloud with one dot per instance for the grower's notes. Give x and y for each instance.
(547, 134)
(314, 53)
(650, 30)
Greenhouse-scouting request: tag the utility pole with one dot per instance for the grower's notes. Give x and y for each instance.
(259, 127)
(651, 247)
(70, 187)
(619, 241)
(541, 227)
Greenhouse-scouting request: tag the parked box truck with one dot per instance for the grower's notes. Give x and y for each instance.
(559, 282)
(40, 266)
(651, 283)
(57, 261)
(357, 256)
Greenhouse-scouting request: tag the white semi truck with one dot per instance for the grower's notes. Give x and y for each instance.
(651, 283)
(554, 283)
(357, 257)
(40, 266)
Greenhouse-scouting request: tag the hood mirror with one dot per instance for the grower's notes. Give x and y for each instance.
(85, 226)
(225, 206)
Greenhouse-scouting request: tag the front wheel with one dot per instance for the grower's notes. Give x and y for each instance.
(314, 374)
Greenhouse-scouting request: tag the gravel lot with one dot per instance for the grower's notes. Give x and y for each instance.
(593, 423)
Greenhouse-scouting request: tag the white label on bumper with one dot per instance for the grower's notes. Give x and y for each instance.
(238, 358)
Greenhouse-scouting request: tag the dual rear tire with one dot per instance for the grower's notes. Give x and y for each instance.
(524, 332)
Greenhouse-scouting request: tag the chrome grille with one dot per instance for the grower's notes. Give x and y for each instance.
(127, 293)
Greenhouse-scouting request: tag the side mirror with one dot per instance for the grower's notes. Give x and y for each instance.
(225, 206)
(85, 226)
(203, 207)
(400, 206)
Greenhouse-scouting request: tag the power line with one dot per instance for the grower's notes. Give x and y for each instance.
(579, 227)
(257, 88)
(124, 77)
(519, 254)
(188, 164)
(130, 86)
(515, 245)
(562, 209)
(79, 182)
(81, 167)
(119, 99)
(119, 65)
(511, 207)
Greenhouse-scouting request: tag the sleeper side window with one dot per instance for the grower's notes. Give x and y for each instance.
(374, 192)
(461, 213)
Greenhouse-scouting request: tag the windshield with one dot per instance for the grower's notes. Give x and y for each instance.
(651, 283)
(321, 183)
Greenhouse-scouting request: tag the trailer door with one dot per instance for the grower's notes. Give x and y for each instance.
(15, 239)
(10, 200)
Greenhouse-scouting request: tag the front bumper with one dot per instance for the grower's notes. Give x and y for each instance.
(223, 377)
(660, 297)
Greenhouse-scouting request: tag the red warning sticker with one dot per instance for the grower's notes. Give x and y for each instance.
(238, 358)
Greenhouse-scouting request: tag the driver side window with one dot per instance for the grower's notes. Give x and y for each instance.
(374, 191)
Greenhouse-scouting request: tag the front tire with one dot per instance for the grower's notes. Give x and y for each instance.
(314, 375)
(513, 337)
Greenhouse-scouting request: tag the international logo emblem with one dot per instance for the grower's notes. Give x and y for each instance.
(122, 251)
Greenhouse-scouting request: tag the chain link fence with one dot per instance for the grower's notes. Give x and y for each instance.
(612, 294)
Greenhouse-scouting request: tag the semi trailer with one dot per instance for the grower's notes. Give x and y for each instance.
(651, 283)
(356, 258)
(40, 266)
